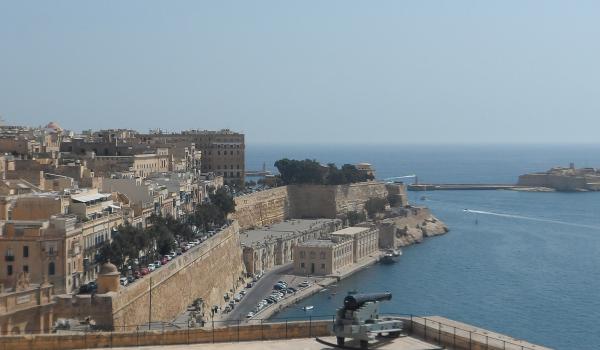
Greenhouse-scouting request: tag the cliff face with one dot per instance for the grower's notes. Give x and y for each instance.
(408, 226)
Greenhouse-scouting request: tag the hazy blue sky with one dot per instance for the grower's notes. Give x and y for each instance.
(308, 71)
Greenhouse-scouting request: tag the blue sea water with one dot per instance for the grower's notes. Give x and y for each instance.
(532, 272)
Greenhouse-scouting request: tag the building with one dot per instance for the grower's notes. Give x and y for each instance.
(141, 165)
(322, 257)
(46, 250)
(274, 245)
(365, 240)
(223, 151)
(26, 308)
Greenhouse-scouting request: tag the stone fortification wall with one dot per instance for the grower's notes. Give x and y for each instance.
(207, 272)
(262, 208)
(408, 226)
(557, 182)
(304, 201)
(140, 337)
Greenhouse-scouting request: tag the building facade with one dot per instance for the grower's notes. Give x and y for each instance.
(365, 240)
(322, 257)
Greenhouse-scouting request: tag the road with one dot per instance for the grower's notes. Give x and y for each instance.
(258, 292)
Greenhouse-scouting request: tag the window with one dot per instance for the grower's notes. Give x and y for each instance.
(323, 266)
(322, 255)
(302, 265)
(51, 269)
(26, 268)
(9, 270)
(302, 254)
(25, 251)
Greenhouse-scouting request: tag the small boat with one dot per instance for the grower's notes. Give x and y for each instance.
(391, 256)
(308, 307)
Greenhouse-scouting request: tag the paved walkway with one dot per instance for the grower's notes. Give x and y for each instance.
(406, 343)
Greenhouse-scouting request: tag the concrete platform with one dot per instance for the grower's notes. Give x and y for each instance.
(406, 343)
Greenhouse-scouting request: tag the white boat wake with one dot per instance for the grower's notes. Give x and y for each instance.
(532, 219)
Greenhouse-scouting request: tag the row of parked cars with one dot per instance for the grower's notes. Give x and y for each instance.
(136, 271)
(280, 289)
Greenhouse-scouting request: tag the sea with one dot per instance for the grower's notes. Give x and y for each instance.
(520, 263)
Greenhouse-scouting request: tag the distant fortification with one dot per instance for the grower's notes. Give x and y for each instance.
(564, 179)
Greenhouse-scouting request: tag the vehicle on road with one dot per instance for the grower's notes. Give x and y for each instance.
(123, 281)
(250, 314)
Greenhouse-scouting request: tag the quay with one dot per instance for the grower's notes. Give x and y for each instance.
(442, 187)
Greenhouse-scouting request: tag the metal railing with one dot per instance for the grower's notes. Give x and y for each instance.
(165, 333)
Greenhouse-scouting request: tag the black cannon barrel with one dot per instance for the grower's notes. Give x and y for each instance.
(353, 302)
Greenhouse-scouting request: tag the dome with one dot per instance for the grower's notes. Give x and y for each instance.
(53, 126)
(108, 269)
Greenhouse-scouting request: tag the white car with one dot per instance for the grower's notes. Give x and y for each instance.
(123, 281)
(195, 242)
(250, 314)
(151, 267)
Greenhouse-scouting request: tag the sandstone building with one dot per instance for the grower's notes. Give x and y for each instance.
(322, 257)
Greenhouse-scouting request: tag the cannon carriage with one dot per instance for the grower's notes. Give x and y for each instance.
(359, 319)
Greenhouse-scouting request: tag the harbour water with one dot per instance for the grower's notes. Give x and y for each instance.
(523, 264)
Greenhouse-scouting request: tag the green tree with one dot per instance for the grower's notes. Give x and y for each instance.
(355, 217)
(374, 206)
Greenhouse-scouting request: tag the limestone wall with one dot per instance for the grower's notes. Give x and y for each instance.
(262, 208)
(206, 272)
(409, 225)
(304, 201)
(141, 337)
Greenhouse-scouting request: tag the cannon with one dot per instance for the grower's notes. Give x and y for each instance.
(359, 319)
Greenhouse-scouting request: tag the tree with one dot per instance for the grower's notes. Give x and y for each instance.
(311, 172)
(374, 206)
(355, 217)
(223, 200)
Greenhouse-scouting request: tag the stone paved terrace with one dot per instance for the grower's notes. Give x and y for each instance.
(405, 343)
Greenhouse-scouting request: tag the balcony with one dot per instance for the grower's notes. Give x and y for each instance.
(9, 258)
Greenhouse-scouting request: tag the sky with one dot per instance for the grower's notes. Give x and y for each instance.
(308, 71)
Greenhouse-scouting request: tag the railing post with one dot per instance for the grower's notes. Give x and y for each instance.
(188, 334)
(238, 330)
(213, 330)
(439, 333)
(486, 343)
(425, 330)
(470, 339)
(454, 340)
(286, 325)
(111, 340)
(262, 333)
(137, 335)
(309, 326)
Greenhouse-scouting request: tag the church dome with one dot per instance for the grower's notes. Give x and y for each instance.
(53, 126)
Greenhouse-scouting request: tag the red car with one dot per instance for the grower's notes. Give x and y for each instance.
(144, 271)
(137, 274)
(163, 261)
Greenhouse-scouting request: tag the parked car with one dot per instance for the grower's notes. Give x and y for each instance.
(144, 271)
(195, 242)
(123, 281)
(130, 279)
(249, 285)
(168, 257)
(137, 274)
(164, 260)
(151, 267)
(250, 314)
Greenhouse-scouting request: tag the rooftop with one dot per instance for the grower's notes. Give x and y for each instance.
(404, 343)
(351, 231)
(321, 243)
(281, 230)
